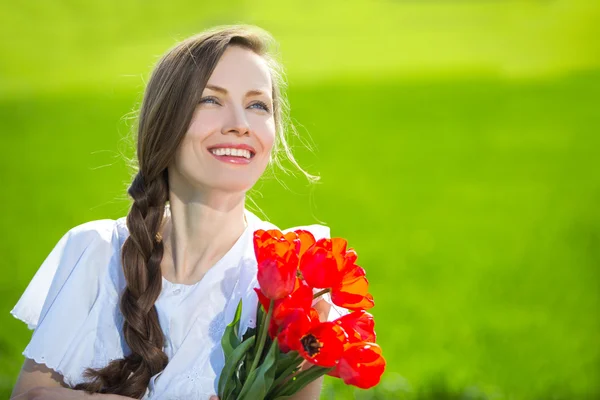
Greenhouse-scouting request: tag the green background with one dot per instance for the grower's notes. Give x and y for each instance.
(458, 145)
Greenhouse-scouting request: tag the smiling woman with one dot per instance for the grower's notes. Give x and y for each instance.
(136, 307)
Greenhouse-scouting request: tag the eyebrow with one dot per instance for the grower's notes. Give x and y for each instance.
(253, 92)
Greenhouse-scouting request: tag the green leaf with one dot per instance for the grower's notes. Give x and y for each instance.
(251, 381)
(260, 343)
(260, 316)
(248, 357)
(285, 369)
(260, 380)
(230, 340)
(232, 390)
(266, 349)
(243, 372)
(300, 381)
(249, 332)
(284, 361)
(247, 365)
(231, 366)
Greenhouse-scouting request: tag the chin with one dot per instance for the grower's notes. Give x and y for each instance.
(233, 187)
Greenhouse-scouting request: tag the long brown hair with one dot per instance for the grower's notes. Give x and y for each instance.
(171, 95)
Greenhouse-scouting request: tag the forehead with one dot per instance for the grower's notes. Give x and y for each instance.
(240, 70)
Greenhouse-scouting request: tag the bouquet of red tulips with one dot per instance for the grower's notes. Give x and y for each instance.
(265, 362)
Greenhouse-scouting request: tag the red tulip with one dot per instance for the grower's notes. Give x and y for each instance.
(361, 365)
(358, 325)
(323, 345)
(321, 263)
(327, 264)
(295, 325)
(292, 316)
(306, 240)
(277, 261)
(300, 299)
(353, 290)
(266, 238)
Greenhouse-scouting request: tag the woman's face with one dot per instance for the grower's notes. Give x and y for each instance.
(236, 110)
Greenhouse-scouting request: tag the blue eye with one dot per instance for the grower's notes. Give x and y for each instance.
(263, 105)
(204, 100)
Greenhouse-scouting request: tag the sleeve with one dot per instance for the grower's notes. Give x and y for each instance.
(57, 302)
(336, 311)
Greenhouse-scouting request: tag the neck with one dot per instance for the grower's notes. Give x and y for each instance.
(197, 233)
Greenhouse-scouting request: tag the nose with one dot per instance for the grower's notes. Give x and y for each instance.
(236, 123)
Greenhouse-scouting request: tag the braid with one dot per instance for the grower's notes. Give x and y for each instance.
(141, 256)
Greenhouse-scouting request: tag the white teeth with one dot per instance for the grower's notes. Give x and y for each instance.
(231, 152)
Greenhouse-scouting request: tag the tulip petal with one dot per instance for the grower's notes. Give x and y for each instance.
(323, 345)
(352, 301)
(358, 325)
(338, 245)
(319, 268)
(307, 239)
(353, 291)
(277, 262)
(361, 365)
(276, 278)
(295, 325)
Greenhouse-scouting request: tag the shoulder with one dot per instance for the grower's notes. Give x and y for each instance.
(89, 236)
(88, 245)
(91, 249)
(101, 230)
(100, 226)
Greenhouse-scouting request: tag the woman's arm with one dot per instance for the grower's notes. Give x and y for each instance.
(36, 375)
(36, 381)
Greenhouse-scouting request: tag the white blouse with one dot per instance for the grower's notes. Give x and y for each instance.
(72, 306)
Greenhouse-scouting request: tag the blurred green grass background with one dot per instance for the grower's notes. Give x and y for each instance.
(458, 148)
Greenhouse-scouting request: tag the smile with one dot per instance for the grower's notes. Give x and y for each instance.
(232, 156)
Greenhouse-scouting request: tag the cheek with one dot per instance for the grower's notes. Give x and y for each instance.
(202, 124)
(269, 143)
(185, 158)
(269, 136)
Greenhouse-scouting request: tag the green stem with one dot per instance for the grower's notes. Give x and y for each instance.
(263, 336)
(286, 373)
(322, 292)
(300, 380)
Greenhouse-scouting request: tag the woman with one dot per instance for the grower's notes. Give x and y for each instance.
(135, 308)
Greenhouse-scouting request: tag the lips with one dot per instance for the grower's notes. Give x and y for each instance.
(232, 159)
